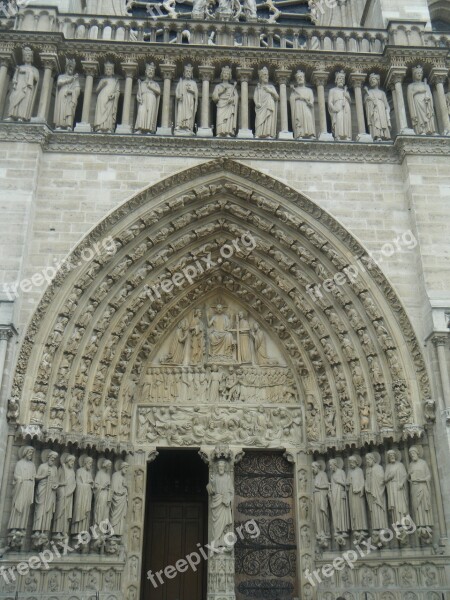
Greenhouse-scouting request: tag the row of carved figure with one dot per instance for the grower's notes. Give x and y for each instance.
(64, 499)
(225, 96)
(380, 493)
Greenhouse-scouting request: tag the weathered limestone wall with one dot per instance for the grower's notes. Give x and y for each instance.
(378, 13)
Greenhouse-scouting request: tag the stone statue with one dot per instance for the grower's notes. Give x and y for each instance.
(420, 481)
(197, 338)
(108, 91)
(250, 10)
(83, 496)
(221, 342)
(378, 110)
(302, 109)
(375, 491)
(148, 97)
(45, 499)
(395, 477)
(259, 341)
(321, 511)
(23, 495)
(420, 101)
(177, 350)
(24, 87)
(266, 106)
(245, 350)
(102, 491)
(338, 499)
(220, 489)
(65, 494)
(68, 92)
(226, 99)
(186, 95)
(339, 103)
(356, 497)
(119, 499)
(199, 9)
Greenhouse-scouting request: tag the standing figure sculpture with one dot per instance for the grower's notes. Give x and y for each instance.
(420, 102)
(68, 92)
(266, 106)
(356, 497)
(378, 110)
(302, 109)
(339, 106)
(420, 480)
(197, 338)
(221, 492)
(226, 98)
(119, 499)
(108, 91)
(83, 496)
(375, 492)
(250, 10)
(102, 492)
(177, 349)
(186, 95)
(148, 97)
(45, 500)
(320, 498)
(23, 495)
(24, 87)
(339, 501)
(245, 349)
(64, 495)
(395, 477)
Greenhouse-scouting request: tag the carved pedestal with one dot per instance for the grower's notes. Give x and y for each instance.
(221, 577)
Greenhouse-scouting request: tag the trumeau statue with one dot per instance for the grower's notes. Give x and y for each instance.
(339, 500)
(356, 498)
(68, 92)
(119, 499)
(396, 477)
(65, 494)
(186, 95)
(83, 495)
(148, 97)
(23, 497)
(377, 109)
(266, 106)
(226, 98)
(102, 491)
(302, 108)
(45, 500)
(339, 106)
(321, 510)
(375, 491)
(221, 492)
(420, 101)
(420, 485)
(24, 87)
(108, 91)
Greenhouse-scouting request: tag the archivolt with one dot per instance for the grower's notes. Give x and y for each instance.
(359, 368)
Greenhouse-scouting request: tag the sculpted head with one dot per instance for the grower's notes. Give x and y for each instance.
(69, 461)
(315, 468)
(52, 458)
(150, 70)
(374, 80)
(188, 71)
(264, 75)
(414, 453)
(109, 69)
(225, 74)
(221, 466)
(353, 462)
(370, 460)
(124, 468)
(300, 77)
(219, 309)
(417, 73)
(340, 79)
(333, 465)
(88, 463)
(27, 55)
(391, 456)
(28, 453)
(106, 465)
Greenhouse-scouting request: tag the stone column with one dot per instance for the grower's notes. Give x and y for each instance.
(282, 78)
(6, 332)
(244, 76)
(356, 81)
(207, 75)
(395, 81)
(167, 71)
(5, 62)
(440, 341)
(130, 70)
(50, 63)
(320, 79)
(438, 77)
(90, 68)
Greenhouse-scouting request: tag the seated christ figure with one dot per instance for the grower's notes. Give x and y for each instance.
(221, 342)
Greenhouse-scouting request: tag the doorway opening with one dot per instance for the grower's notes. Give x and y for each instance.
(176, 522)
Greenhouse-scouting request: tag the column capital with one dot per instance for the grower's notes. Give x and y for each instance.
(129, 68)
(320, 77)
(7, 331)
(90, 67)
(244, 73)
(167, 70)
(6, 56)
(439, 75)
(206, 72)
(395, 75)
(440, 339)
(357, 79)
(49, 61)
(283, 75)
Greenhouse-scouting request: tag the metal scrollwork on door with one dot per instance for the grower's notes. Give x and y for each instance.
(265, 563)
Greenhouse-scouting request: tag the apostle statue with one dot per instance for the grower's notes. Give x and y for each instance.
(119, 498)
(45, 499)
(68, 92)
(378, 110)
(356, 497)
(420, 102)
(266, 106)
(226, 98)
(186, 95)
(64, 494)
(102, 491)
(83, 496)
(24, 87)
(108, 91)
(23, 495)
(148, 97)
(420, 481)
(221, 492)
(339, 102)
(338, 499)
(320, 499)
(375, 491)
(302, 109)
(395, 477)
(221, 342)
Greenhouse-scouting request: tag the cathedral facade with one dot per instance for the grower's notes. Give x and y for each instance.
(224, 300)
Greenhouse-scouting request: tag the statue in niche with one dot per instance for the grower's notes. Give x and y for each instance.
(68, 92)
(177, 350)
(395, 477)
(197, 338)
(83, 495)
(420, 102)
(378, 110)
(245, 350)
(24, 87)
(266, 106)
(186, 95)
(102, 491)
(420, 481)
(339, 500)
(148, 97)
(302, 108)
(221, 342)
(221, 491)
(356, 497)
(226, 98)
(119, 497)
(45, 499)
(65, 494)
(375, 491)
(321, 510)
(108, 91)
(339, 106)
(23, 495)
